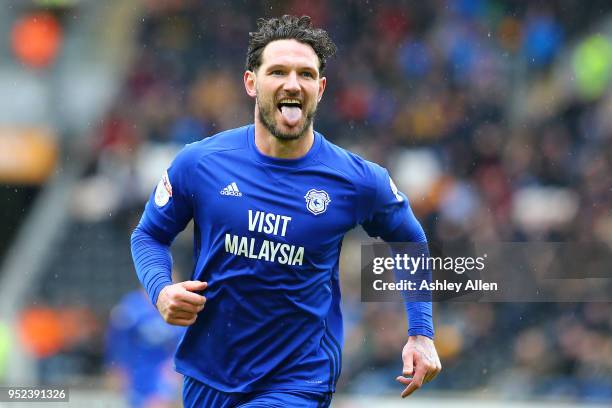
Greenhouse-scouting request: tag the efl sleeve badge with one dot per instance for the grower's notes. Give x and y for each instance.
(163, 191)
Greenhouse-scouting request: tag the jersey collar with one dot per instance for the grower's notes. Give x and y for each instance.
(278, 161)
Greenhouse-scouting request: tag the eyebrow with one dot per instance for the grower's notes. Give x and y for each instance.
(302, 68)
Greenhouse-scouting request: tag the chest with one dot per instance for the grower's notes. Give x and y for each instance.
(310, 207)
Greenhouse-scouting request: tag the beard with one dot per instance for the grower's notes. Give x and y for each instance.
(266, 115)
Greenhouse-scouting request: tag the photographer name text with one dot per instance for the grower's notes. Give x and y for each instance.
(436, 285)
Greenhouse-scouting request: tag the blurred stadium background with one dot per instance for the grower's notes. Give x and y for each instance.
(495, 118)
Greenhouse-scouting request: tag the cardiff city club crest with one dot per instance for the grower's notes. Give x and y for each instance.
(316, 201)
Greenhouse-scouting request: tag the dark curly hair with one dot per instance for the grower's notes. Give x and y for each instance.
(288, 28)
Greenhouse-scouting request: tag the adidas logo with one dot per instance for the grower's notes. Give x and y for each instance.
(231, 190)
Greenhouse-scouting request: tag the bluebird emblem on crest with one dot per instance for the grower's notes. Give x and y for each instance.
(317, 201)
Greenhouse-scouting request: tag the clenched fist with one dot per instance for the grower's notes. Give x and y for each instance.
(179, 304)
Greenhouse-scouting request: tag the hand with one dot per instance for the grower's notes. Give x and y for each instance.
(421, 363)
(179, 305)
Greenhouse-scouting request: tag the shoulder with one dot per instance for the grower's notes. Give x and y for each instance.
(361, 171)
(226, 141)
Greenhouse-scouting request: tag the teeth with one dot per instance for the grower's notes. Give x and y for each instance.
(290, 101)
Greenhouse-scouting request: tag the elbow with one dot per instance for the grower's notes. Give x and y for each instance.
(142, 234)
(137, 234)
(407, 231)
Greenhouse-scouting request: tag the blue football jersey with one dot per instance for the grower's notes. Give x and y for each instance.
(267, 239)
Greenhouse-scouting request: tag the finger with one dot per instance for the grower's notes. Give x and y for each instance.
(408, 368)
(431, 373)
(403, 380)
(428, 376)
(180, 306)
(191, 298)
(183, 322)
(194, 286)
(429, 370)
(416, 383)
(182, 315)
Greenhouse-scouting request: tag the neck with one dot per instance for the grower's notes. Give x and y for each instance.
(282, 149)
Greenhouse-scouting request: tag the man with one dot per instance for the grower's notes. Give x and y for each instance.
(271, 203)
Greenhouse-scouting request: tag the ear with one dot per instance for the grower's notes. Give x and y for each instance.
(250, 83)
(322, 84)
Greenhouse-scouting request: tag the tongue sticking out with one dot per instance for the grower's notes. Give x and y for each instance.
(292, 114)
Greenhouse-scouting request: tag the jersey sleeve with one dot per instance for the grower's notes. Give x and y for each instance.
(170, 206)
(390, 217)
(167, 212)
(389, 210)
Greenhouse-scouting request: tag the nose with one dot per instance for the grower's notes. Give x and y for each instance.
(291, 84)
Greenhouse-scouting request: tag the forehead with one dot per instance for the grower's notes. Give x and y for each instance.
(289, 52)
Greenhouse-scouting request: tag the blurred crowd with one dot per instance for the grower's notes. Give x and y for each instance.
(461, 100)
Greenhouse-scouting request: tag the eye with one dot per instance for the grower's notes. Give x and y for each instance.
(277, 72)
(307, 74)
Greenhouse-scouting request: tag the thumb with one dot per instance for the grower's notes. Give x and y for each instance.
(408, 365)
(194, 286)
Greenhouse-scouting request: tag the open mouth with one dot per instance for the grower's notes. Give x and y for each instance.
(289, 103)
(291, 109)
